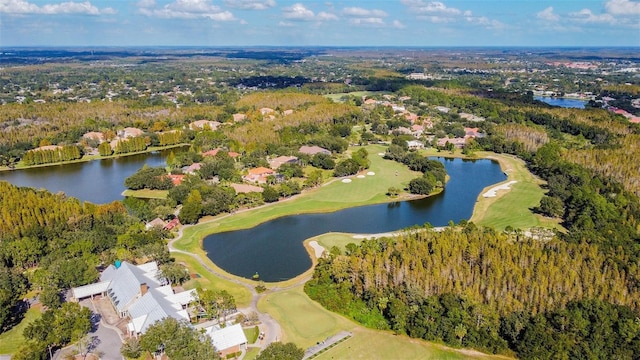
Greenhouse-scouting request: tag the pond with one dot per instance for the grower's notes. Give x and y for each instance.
(98, 181)
(274, 249)
(562, 102)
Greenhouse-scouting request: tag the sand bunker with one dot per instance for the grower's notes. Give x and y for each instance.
(371, 173)
(346, 181)
(493, 191)
(317, 248)
(360, 176)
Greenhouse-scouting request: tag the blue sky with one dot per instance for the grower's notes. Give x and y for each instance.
(322, 23)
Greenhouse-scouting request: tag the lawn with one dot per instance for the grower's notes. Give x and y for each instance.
(306, 322)
(146, 194)
(11, 340)
(251, 334)
(513, 207)
(252, 353)
(210, 281)
(338, 96)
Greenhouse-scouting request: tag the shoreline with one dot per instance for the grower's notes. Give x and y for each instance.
(91, 158)
(214, 222)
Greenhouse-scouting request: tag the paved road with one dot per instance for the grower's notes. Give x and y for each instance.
(104, 340)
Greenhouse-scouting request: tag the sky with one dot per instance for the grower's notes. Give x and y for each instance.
(319, 23)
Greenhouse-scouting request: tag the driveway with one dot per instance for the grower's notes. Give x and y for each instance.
(103, 340)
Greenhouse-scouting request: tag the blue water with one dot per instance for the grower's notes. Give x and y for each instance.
(562, 102)
(274, 249)
(98, 181)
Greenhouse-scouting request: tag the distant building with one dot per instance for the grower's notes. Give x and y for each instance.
(204, 124)
(275, 163)
(245, 188)
(312, 150)
(258, 175)
(157, 222)
(130, 132)
(415, 145)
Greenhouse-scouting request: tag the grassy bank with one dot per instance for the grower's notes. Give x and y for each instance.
(146, 194)
(306, 322)
(12, 339)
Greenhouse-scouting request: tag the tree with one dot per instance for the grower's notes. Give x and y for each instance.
(280, 351)
(270, 194)
(346, 167)
(551, 206)
(178, 340)
(175, 273)
(421, 185)
(104, 149)
(58, 327)
(323, 161)
(192, 208)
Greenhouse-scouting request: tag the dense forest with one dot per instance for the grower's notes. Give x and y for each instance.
(480, 288)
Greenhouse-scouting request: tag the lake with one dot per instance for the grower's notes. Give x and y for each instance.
(98, 181)
(274, 249)
(562, 102)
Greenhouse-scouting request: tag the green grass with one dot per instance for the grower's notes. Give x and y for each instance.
(11, 340)
(252, 353)
(251, 334)
(303, 321)
(146, 194)
(340, 240)
(210, 281)
(336, 97)
(306, 322)
(513, 207)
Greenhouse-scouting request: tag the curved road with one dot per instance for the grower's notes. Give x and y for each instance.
(270, 326)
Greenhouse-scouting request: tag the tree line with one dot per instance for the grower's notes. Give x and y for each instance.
(466, 286)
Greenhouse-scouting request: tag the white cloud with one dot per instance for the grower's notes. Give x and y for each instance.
(372, 21)
(485, 22)
(398, 25)
(360, 12)
(587, 16)
(431, 7)
(622, 7)
(298, 12)
(285, 24)
(185, 9)
(325, 16)
(68, 7)
(251, 4)
(548, 15)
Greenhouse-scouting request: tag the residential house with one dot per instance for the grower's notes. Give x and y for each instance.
(239, 117)
(275, 163)
(227, 340)
(258, 175)
(312, 150)
(204, 124)
(415, 145)
(94, 135)
(139, 293)
(456, 142)
(172, 224)
(157, 222)
(192, 169)
(130, 132)
(245, 188)
(176, 179)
